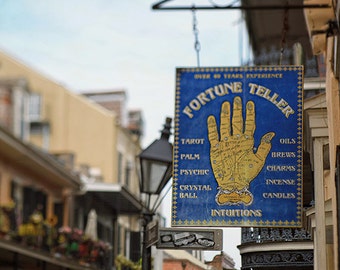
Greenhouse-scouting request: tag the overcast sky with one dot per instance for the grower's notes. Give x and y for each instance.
(89, 45)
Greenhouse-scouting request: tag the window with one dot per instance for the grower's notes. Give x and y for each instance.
(33, 200)
(120, 167)
(42, 130)
(128, 173)
(34, 107)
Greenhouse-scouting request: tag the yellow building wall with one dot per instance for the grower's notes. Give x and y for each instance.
(333, 116)
(77, 125)
(90, 132)
(128, 146)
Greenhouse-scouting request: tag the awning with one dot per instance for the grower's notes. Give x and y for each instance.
(116, 196)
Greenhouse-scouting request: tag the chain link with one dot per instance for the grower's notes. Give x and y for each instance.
(283, 34)
(197, 44)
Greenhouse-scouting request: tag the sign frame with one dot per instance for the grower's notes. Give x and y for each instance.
(152, 233)
(238, 147)
(175, 238)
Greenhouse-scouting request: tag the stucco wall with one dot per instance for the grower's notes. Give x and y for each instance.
(77, 125)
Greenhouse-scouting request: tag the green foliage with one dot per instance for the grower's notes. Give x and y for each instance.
(122, 261)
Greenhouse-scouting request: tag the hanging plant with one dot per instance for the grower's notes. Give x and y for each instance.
(5, 223)
(122, 261)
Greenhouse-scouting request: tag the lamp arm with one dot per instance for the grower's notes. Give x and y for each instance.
(157, 204)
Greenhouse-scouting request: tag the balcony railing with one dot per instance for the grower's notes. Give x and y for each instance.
(314, 66)
(65, 243)
(274, 259)
(263, 235)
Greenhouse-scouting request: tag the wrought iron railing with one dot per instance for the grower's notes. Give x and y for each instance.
(263, 235)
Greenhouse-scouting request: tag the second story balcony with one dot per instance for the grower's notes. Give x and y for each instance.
(276, 248)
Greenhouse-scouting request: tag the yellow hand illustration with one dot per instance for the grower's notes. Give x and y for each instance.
(232, 156)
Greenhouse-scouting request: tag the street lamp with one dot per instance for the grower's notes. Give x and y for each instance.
(156, 171)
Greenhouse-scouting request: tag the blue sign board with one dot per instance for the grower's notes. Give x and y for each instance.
(238, 147)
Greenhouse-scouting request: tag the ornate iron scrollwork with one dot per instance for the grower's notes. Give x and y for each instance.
(261, 235)
(275, 259)
(278, 259)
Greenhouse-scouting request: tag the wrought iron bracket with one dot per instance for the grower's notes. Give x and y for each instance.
(161, 5)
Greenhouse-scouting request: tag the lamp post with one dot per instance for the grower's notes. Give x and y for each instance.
(156, 171)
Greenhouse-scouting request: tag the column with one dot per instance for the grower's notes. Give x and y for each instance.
(320, 251)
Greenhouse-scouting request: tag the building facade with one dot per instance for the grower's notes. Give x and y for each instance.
(182, 260)
(307, 35)
(323, 30)
(86, 140)
(36, 190)
(222, 261)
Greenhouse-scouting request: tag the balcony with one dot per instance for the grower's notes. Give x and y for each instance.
(40, 242)
(276, 248)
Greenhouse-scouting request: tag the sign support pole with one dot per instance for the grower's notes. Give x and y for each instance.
(146, 252)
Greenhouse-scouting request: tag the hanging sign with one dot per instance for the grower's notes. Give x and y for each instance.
(151, 233)
(207, 239)
(238, 147)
